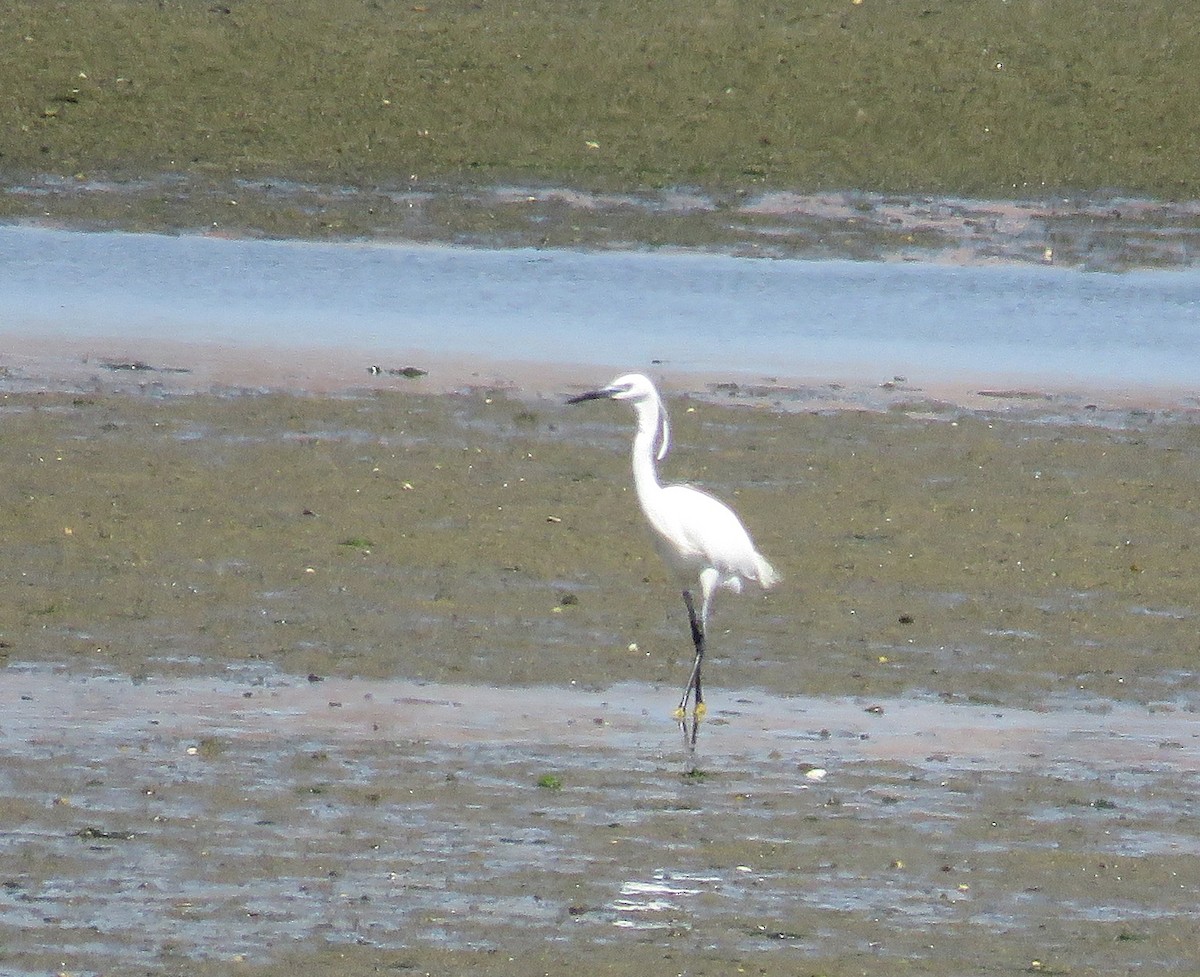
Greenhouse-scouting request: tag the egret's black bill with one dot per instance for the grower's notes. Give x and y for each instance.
(590, 395)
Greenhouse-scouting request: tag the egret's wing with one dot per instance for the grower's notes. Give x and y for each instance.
(704, 529)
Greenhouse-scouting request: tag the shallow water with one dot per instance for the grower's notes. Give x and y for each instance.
(236, 819)
(676, 312)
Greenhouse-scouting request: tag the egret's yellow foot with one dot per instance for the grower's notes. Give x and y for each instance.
(680, 713)
(701, 709)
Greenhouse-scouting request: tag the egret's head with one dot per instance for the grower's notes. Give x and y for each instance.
(641, 393)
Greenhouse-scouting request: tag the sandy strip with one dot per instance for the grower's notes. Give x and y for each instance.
(133, 364)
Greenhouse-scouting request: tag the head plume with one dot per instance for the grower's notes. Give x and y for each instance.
(663, 437)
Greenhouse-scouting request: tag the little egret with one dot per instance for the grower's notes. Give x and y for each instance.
(696, 534)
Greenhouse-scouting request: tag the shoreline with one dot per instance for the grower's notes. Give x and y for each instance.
(1105, 233)
(150, 366)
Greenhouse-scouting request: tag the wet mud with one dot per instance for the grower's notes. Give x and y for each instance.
(382, 681)
(229, 823)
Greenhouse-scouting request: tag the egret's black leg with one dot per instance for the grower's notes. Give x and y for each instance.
(690, 731)
(698, 641)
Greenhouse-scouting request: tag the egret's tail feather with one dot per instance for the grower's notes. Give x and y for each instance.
(767, 575)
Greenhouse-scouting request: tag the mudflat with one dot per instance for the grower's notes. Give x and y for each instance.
(330, 684)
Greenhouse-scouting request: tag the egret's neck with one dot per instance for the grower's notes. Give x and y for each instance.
(645, 471)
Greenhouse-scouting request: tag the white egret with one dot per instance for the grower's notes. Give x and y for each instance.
(697, 535)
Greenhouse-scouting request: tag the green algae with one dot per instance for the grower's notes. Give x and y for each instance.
(988, 99)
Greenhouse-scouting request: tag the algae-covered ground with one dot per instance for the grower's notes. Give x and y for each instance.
(482, 539)
(349, 117)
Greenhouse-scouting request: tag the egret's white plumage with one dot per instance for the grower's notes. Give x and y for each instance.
(699, 536)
